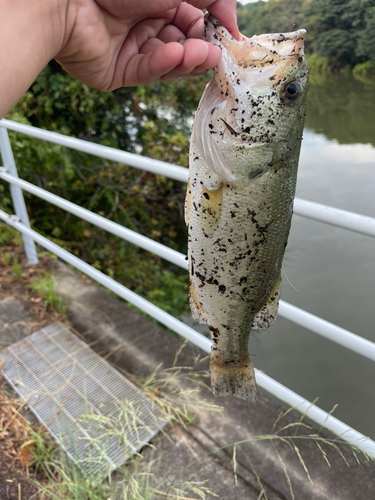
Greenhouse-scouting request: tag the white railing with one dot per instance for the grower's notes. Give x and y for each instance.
(329, 215)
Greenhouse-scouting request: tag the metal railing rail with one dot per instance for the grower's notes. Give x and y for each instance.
(354, 222)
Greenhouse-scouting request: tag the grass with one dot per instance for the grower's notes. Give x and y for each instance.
(9, 235)
(5, 257)
(143, 477)
(16, 269)
(46, 286)
(167, 389)
(42, 282)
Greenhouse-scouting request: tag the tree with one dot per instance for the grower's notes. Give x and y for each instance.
(365, 49)
(340, 29)
(337, 44)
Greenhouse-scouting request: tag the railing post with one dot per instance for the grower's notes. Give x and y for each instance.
(17, 195)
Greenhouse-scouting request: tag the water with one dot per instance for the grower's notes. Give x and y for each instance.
(332, 269)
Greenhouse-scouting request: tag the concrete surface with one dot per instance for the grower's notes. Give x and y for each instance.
(205, 447)
(14, 320)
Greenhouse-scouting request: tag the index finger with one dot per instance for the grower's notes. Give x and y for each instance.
(223, 10)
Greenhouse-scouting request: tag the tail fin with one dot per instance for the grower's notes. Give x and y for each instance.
(237, 379)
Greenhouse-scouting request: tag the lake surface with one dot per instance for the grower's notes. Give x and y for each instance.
(332, 269)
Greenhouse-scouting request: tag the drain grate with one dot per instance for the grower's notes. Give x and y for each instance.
(97, 416)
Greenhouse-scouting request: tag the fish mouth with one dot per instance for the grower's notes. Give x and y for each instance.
(252, 69)
(258, 51)
(255, 61)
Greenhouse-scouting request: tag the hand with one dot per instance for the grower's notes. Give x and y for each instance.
(115, 43)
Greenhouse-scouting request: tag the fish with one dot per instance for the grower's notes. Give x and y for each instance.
(243, 162)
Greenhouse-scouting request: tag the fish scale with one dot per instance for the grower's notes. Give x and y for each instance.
(242, 176)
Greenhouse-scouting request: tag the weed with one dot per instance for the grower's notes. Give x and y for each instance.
(47, 286)
(8, 235)
(16, 269)
(41, 449)
(167, 388)
(5, 257)
(278, 436)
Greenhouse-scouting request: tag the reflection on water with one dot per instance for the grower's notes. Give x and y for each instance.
(332, 269)
(343, 109)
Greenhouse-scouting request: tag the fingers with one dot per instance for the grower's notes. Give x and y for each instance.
(225, 13)
(152, 65)
(189, 20)
(223, 10)
(199, 57)
(171, 34)
(170, 61)
(168, 48)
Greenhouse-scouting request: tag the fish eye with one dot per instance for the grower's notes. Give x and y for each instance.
(292, 91)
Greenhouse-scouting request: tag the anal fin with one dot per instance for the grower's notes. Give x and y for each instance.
(267, 314)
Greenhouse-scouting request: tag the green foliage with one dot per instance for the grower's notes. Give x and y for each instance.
(338, 26)
(336, 44)
(5, 257)
(365, 49)
(42, 449)
(251, 18)
(170, 291)
(319, 65)
(16, 269)
(47, 286)
(365, 72)
(9, 236)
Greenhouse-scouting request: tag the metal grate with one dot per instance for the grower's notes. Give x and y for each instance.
(96, 415)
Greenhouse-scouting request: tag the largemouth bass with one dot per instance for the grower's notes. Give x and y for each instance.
(244, 154)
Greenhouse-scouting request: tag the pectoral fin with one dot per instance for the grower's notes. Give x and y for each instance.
(211, 203)
(195, 307)
(267, 314)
